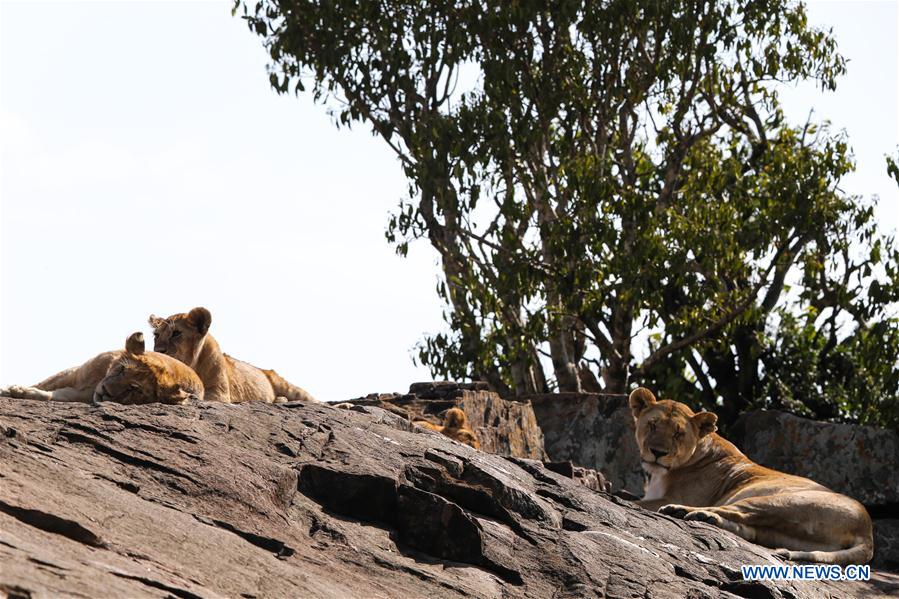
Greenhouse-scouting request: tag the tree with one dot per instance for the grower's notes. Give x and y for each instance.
(597, 177)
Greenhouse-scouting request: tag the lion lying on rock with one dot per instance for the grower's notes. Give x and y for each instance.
(455, 426)
(132, 376)
(186, 337)
(696, 475)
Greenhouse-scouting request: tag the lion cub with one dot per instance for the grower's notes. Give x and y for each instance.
(455, 426)
(695, 474)
(186, 337)
(132, 376)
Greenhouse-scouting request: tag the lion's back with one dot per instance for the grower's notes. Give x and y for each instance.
(247, 382)
(86, 375)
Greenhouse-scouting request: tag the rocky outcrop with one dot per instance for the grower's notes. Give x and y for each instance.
(292, 500)
(502, 426)
(592, 430)
(859, 461)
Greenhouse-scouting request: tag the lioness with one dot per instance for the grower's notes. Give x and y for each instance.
(697, 475)
(132, 376)
(455, 426)
(186, 337)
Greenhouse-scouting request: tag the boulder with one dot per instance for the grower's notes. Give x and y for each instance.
(298, 500)
(886, 544)
(503, 427)
(858, 461)
(594, 431)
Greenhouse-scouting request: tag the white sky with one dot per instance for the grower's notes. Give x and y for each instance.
(147, 166)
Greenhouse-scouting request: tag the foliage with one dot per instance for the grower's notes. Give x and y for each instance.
(614, 191)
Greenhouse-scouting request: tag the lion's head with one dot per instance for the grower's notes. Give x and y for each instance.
(667, 431)
(455, 426)
(139, 377)
(455, 418)
(181, 335)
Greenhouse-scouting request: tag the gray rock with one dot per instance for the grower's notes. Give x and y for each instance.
(594, 431)
(292, 500)
(586, 476)
(886, 544)
(445, 389)
(858, 461)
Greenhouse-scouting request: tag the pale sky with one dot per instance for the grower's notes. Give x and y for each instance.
(147, 167)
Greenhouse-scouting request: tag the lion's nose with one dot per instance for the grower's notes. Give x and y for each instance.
(659, 453)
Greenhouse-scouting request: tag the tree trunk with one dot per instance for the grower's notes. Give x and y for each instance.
(445, 239)
(564, 356)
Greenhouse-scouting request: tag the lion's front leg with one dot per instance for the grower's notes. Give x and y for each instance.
(65, 394)
(75, 394)
(23, 392)
(727, 518)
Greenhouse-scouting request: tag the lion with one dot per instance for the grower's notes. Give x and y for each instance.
(132, 376)
(455, 426)
(695, 474)
(186, 337)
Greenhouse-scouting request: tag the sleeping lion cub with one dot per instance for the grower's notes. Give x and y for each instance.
(455, 426)
(186, 337)
(697, 475)
(132, 376)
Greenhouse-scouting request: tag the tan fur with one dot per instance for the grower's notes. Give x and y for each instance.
(428, 425)
(697, 475)
(455, 426)
(132, 376)
(186, 337)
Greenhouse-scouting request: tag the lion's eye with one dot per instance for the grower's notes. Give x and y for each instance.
(679, 435)
(652, 426)
(176, 334)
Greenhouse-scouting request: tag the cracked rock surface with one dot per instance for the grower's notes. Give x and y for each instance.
(290, 500)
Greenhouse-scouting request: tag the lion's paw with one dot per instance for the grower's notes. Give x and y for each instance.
(15, 391)
(704, 516)
(673, 509)
(23, 392)
(783, 553)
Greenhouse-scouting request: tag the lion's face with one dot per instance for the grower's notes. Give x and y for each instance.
(139, 378)
(455, 418)
(181, 335)
(667, 431)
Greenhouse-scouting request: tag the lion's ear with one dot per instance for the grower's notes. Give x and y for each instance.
(200, 319)
(134, 344)
(640, 399)
(705, 423)
(155, 321)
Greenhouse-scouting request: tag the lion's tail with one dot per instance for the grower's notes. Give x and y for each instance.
(857, 554)
(284, 389)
